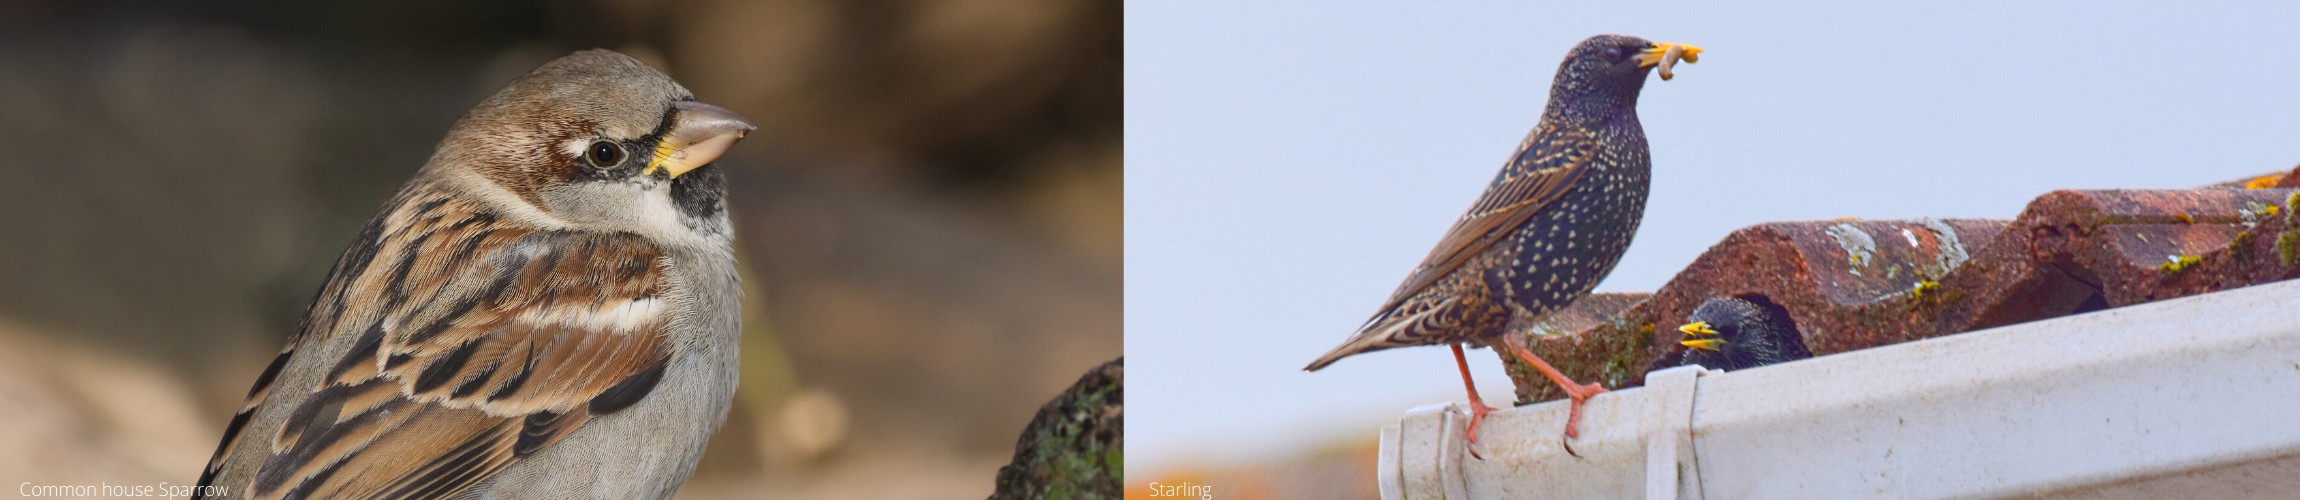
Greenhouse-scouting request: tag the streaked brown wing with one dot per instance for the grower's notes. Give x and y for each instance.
(1547, 165)
(484, 344)
(326, 311)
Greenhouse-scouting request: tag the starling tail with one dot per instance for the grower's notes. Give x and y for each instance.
(1374, 336)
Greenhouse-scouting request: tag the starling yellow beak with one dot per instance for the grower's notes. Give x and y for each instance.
(1703, 344)
(1666, 56)
(1697, 328)
(699, 134)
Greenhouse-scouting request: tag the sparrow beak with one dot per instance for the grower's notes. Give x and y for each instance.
(699, 134)
(1666, 56)
(1704, 344)
(1697, 328)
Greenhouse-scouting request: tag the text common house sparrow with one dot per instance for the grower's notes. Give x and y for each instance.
(548, 309)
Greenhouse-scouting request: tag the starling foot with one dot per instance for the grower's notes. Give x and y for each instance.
(1477, 407)
(1580, 393)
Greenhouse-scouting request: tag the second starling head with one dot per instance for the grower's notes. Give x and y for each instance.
(1728, 333)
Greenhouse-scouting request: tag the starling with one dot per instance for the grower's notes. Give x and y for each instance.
(1732, 334)
(1549, 226)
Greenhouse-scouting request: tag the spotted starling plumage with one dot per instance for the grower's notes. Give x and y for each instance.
(1729, 334)
(1550, 225)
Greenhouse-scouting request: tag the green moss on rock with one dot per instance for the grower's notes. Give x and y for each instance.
(1075, 447)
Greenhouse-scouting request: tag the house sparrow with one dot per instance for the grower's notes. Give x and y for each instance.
(548, 310)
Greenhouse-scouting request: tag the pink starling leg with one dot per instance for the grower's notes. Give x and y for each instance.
(1477, 407)
(1579, 393)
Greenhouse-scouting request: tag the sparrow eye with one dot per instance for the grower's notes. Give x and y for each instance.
(606, 154)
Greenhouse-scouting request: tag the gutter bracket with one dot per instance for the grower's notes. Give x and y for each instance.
(1670, 469)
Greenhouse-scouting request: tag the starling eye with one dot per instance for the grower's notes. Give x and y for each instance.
(605, 154)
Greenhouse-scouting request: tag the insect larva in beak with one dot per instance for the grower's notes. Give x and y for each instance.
(1669, 59)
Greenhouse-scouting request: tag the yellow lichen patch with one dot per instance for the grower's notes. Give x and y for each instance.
(1923, 287)
(2256, 212)
(2288, 247)
(2264, 182)
(2175, 263)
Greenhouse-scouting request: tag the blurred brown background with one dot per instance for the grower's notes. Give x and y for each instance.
(929, 216)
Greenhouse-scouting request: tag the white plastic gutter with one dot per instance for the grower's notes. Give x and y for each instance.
(2197, 397)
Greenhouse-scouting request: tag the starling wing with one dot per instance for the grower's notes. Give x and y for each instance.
(1548, 164)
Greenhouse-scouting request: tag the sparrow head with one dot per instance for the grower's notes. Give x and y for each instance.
(1603, 74)
(596, 139)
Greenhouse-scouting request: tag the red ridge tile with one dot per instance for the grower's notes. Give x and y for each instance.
(1852, 285)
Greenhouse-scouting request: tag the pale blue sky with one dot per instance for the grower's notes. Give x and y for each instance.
(1288, 162)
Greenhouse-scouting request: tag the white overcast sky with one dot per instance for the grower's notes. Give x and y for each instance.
(1288, 162)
